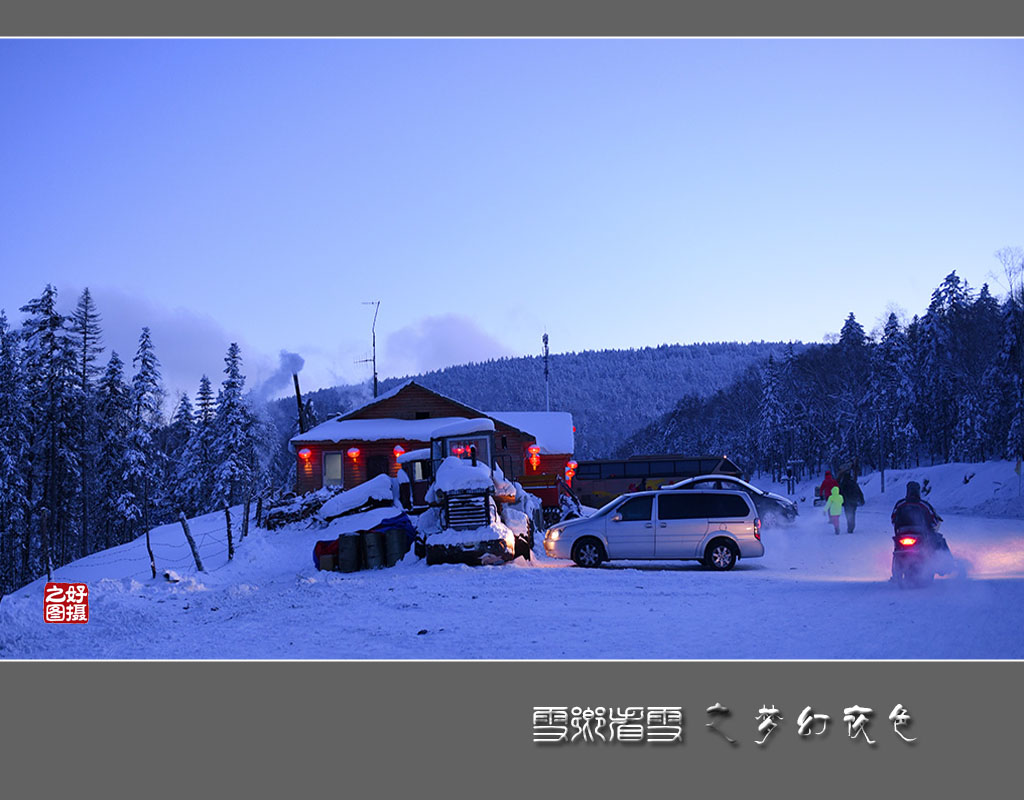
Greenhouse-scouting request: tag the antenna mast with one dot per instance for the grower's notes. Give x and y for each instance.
(547, 389)
(373, 333)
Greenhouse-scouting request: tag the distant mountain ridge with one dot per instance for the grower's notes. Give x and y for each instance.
(611, 394)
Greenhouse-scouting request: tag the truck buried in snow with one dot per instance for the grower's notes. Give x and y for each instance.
(473, 514)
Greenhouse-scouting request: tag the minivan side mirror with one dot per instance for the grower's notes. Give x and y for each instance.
(617, 518)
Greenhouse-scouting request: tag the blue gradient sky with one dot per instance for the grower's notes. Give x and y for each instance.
(617, 193)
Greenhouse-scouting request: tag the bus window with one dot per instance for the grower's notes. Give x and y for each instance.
(637, 469)
(612, 470)
(589, 472)
(688, 468)
(709, 465)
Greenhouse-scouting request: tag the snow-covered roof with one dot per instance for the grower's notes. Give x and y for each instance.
(551, 429)
(423, 454)
(373, 430)
(465, 427)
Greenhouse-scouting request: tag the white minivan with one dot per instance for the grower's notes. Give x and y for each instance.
(714, 527)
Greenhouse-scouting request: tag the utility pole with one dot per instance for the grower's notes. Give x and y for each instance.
(373, 334)
(547, 388)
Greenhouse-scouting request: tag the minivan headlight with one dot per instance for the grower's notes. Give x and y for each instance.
(553, 533)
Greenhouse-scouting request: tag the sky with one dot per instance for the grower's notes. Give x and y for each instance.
(613, 193)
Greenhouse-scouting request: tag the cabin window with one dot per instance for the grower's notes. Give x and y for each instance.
(334, 469)
(422, 415)
(504, 443)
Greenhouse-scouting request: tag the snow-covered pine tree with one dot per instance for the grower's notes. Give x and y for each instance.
(771, 421)
(14, 445)
(233, 445)
(142, 455)
(49, 367)
(86, 338)
(194, 472)
(853, 362)
(113, 405)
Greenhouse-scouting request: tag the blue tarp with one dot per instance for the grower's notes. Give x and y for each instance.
(402, 522)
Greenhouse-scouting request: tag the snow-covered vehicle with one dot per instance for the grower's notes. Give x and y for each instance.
(474, 515)
(772, 508)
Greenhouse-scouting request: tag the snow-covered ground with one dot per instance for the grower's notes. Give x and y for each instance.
(814, 595)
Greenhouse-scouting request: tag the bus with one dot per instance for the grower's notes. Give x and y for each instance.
(598, 482)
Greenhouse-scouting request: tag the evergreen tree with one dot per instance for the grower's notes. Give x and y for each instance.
(14, 446)
(233, 444)
(142, 456)
(771, 420)
(86, 338)
(50, 370)
(114, 406)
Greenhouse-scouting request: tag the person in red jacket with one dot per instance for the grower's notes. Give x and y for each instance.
(826, 485)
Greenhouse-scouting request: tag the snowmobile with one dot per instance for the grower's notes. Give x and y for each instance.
(919, 554)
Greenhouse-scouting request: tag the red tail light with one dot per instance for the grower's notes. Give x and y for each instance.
(908, 541)
(757, 528)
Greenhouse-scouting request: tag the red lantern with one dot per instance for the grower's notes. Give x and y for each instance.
(305, 454)
(398, 450)
(535, 461)
(572, 465)
(353, 453)
(533, 449)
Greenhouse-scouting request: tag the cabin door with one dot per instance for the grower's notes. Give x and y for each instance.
(377, 465)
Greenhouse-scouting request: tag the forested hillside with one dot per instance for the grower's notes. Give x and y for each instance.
(945, 386)
(610, 393)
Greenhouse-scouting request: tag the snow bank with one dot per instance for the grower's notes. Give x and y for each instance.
(990, 488)
(376, 489)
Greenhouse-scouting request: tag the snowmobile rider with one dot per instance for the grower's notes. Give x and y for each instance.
(914, 512)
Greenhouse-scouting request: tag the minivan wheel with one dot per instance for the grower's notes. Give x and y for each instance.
(721, 555)
(587, 553)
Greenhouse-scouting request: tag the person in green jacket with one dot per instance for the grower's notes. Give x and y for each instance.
(833, 506)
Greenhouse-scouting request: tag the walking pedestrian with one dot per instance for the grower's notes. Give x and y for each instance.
(826, 486)
(852, 497)
(833, 506)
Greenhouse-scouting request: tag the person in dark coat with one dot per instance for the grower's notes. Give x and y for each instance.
(852, 497)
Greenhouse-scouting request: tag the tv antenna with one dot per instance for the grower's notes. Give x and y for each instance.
(547, 390)
(373, 334)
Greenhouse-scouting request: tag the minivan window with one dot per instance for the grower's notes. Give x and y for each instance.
(680, 506)
(637, 509)
(726, 505)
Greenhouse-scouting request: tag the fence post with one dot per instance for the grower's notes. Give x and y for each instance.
(245, 514)
(191, 542)
(227, 519)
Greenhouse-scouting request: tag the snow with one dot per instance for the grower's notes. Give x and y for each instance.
(379, 488)
(374, 430)
(496, 531)
(460, 473)
(423, 454)
(553, 430)
(464, 428)
(814, 595)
